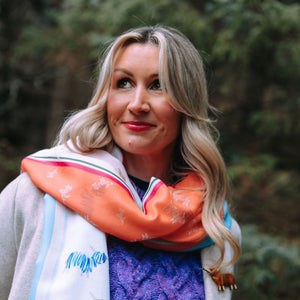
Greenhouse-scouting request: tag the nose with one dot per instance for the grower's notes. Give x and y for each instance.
(139, 102)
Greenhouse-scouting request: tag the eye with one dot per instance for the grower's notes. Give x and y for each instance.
(124, 83)
(156, 85)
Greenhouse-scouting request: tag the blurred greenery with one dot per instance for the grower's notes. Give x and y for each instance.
(269, 268)
(48, 62)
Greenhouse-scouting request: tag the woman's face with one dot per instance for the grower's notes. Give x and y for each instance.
(140, 117)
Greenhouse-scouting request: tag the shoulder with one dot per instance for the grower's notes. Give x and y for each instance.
(21, 193)
(20, 186)
(21, 203)
(21, 210)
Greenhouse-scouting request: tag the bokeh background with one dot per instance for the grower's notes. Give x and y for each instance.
(48, 67)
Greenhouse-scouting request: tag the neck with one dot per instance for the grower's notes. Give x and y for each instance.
(145, 167)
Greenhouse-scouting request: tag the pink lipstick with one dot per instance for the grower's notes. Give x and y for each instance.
(138, 126)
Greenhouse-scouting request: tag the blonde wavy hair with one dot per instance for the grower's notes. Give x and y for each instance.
(182, 76)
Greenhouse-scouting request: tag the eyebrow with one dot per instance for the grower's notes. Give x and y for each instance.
(130, 74)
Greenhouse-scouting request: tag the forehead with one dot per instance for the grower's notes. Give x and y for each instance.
(138, 54)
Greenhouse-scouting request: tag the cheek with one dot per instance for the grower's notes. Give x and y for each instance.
(172, 122)
(113, 110)
(172, 116)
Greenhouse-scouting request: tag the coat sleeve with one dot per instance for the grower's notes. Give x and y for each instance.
(21, 215)
(209, 255)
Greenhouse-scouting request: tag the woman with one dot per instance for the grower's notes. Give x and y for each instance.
(131, 202)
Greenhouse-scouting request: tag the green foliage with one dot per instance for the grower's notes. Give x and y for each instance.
(9, 164)
(269, 269)
(87, 26)
(257, 168)
(256, 60)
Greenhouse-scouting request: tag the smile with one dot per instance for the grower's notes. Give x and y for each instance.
(138, 126)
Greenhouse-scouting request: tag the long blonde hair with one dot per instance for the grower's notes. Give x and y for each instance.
(182, 76)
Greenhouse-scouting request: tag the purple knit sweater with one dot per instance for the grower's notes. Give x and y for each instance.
(138, 272)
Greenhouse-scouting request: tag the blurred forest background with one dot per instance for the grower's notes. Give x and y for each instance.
(48, 67)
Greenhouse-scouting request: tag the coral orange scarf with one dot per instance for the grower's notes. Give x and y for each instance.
(97, 187)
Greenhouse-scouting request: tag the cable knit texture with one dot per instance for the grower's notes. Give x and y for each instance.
(137, 272)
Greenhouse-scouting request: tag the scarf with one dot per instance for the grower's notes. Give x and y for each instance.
(97, 187)
(92, 193)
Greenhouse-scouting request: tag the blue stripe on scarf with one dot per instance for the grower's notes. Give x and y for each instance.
(66, 215)
(48, 225)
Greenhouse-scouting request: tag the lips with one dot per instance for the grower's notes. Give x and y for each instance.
(138, 126)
